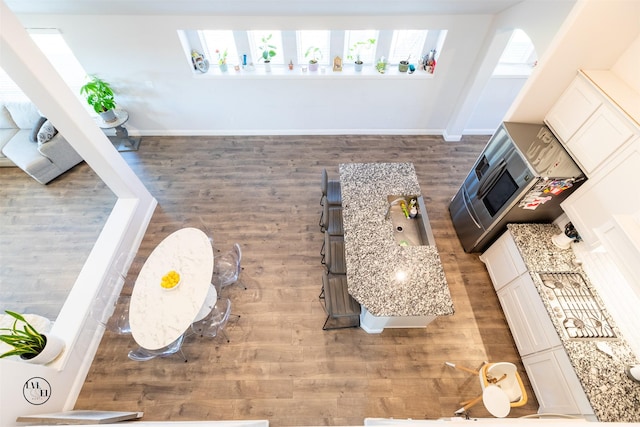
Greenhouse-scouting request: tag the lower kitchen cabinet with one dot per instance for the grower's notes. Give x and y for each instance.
(527, 317)
(548, 367)
(555, 384)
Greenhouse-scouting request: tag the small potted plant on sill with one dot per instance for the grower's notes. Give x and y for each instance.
(356, 49)
(381, 65)
(99, 95)
(29, 344)
(315, 55)
(403, 66)
(268, 52)
(222, 60)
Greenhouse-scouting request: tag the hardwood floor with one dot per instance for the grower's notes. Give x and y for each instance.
(263, 192)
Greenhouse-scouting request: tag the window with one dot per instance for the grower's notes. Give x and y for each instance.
(220, 41)
(314, 44)
(261, 40)
(407, 44)
(519, 57)
(360, 43)
(58, 53)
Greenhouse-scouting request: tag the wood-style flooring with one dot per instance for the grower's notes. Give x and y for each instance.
(279, 365)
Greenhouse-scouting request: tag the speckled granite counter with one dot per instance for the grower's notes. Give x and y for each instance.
(612, 395)
(374, 258)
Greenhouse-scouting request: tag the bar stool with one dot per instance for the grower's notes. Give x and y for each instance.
(333, 256)
(331, 189)
(331, 218)
(338, 303)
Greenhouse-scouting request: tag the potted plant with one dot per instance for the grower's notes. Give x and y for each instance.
(356, 50)
(381, 65)
(99, 95)
(29, 344)
(268, 51)
(403, 66)
(315, 55)
(222, 60)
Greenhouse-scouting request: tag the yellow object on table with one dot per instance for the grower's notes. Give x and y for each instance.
(170, 280)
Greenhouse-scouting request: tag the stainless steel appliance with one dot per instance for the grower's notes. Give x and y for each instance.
(521, 176)
(575, 306)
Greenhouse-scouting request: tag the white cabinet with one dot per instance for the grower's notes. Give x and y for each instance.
(503, 261)
(611, 192)
(574, 107)
(590, 126)
(527, 317)
(553, 380)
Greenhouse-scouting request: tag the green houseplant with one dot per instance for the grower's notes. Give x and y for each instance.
(356, 50)
(315, 55)
(29, 344)
(100, 96)
(268, 51)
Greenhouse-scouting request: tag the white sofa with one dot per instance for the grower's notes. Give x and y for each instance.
(42, 153)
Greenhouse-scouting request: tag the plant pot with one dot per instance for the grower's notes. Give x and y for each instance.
(313, 66)
(358, 66)
(267, 66)
(403, 66)
(224, 67)
(108, 116)
(52, 349)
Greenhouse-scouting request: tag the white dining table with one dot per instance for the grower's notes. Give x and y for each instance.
(158, 316)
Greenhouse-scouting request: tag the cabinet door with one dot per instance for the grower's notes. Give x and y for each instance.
(527, 316)
(555, 384)
(574, 107)
(503, 261)
(611, 191)
(604, 132)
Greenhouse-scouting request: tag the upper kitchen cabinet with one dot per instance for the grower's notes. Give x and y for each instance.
(593, 118)
(573, 109)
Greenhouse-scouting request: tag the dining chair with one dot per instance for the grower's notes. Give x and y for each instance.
(112, 312)
(227, 267)
(142, 354)
(213, 325)
(331, 189)
(502, 388)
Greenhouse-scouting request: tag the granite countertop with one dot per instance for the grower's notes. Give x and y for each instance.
(374, 259)
(613, 396)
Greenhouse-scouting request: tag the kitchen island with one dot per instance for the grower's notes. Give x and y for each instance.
(396, 286)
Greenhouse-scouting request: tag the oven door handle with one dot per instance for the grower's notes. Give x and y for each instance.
(465, 196)
(491, 179)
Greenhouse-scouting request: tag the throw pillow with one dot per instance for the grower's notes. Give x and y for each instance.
(33, 136)
(23, 113)
(6, 122)
(46, 132)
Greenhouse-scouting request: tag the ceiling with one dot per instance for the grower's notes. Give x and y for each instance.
(260, 7)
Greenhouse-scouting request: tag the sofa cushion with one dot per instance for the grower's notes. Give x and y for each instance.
(6, 121)
(46, 132)
(33, 136)
(24, 114)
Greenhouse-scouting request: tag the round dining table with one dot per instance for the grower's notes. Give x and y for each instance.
(159, 316)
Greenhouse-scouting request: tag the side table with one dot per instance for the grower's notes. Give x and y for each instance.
(122, 141)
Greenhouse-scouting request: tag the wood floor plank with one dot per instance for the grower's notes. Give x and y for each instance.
(264, 192)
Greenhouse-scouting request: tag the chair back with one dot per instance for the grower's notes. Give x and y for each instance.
(506, 375)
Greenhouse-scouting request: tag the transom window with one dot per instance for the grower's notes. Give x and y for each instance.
(314, 45)
(360, 43)
(407, 44)
(216, 42)
(259, 41)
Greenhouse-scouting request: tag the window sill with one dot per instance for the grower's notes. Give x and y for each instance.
(326, 72)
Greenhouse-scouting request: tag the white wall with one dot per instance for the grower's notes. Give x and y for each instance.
(147, 49)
